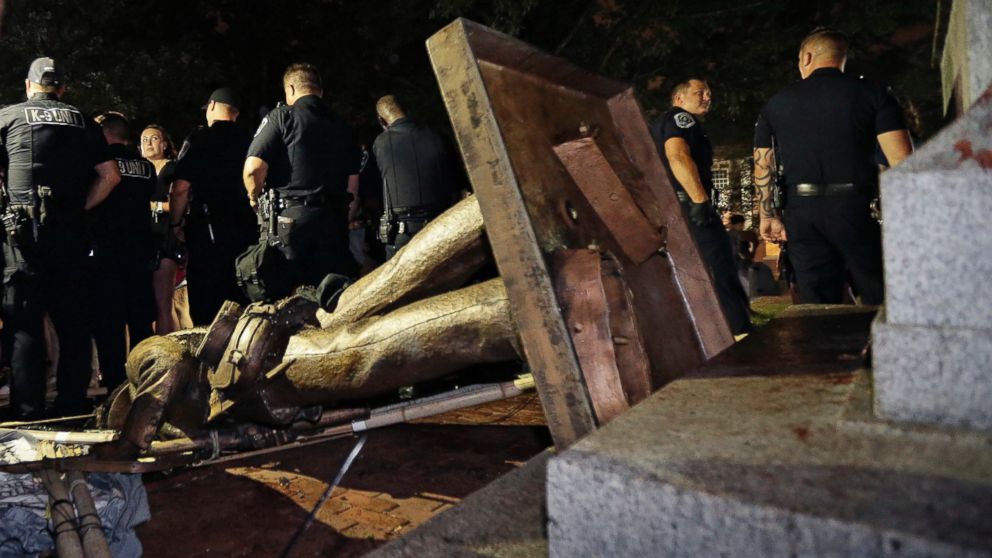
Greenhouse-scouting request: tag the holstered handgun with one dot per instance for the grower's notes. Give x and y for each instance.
(778, 184)
(778, 192)
(43, 205)
(268, 216)
(388, 229)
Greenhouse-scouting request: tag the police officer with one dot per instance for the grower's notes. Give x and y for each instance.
(688, 157)
(122, 254)
(304, 157)
(416, 174)
(220, 224)
(825, 128)
(51, 151)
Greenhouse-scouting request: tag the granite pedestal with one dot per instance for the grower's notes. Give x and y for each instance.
(933, 343)
(773, 456)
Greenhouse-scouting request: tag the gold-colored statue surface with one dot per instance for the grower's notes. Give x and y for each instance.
(406, 322)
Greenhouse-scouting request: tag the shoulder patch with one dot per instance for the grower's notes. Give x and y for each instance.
(183, 151)
(261, 125)
(684, 120)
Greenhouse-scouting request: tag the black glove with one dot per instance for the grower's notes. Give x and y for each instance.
(700, 214)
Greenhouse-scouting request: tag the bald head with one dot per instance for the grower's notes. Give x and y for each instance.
(823, 48)
(389, 109)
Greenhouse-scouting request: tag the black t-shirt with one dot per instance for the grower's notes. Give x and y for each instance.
(679, 123)
(50, 143)
(415, 166)
(212, 160)
(123, 216)
(826, 127)
(308, 148)
(163, 182)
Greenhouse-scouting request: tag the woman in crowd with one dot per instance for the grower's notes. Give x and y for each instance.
(170, 300)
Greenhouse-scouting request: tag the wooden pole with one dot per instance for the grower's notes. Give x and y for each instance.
(67, 544)
(94, 542)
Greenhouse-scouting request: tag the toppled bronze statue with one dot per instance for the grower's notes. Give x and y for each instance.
(406, 322)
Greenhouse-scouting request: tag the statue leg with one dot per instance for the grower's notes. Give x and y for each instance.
(440, 257)
(420, 341)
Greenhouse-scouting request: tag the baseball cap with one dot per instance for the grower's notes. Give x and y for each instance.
(44, 71)
(224, 95)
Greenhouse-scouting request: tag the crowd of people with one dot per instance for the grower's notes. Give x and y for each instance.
(152, 240)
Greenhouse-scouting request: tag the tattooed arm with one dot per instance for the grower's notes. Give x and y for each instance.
(770, 227)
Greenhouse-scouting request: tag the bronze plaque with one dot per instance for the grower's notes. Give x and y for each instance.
(561, 159)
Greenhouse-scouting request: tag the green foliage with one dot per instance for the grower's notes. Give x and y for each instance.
(158, 60)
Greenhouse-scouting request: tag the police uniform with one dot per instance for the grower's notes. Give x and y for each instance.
(220, 224)
(50, 149)
(311, 155)
(711, 239)
(417, 179)
(825, 129)
(121, 256)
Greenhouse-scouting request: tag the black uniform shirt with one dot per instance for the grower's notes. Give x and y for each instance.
(678, 123)
(163, 185)
(212, 160)
(826, 127)
(123, 216)
(415, 166)
(308, 148)
(49, 143)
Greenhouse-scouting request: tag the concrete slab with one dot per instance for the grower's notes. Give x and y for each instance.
(503, 520)
(784, 459)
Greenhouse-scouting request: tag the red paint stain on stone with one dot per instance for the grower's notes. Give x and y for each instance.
(964, 146)
(984, 158)
(985, 96)
(801, 432)
(840, 379)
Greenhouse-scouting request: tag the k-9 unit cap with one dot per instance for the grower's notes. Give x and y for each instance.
(224, 95)
(44, 71)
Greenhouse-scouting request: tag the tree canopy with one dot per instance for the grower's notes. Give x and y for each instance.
(158, 60)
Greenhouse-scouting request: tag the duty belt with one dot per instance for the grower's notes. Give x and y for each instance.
(423, 212)
(314, 200)
(807, 189)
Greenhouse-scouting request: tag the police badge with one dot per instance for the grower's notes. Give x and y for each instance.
(684, 120)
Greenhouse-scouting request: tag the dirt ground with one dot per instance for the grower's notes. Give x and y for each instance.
(403, 476)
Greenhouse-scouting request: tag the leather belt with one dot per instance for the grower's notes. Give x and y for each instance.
(807, 189)
(306, 201)
(314, 200)
(426, 211)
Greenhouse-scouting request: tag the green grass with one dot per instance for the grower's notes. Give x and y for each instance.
(767, 307)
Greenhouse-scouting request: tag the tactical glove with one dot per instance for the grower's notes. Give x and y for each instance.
(700, 213)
